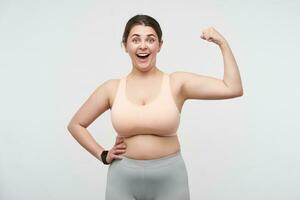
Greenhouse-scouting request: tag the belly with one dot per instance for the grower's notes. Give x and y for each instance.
(145, 147)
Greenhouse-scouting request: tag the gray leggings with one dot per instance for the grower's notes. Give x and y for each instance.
(157, 179)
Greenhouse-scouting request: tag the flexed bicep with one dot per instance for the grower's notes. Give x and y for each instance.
(196, 86)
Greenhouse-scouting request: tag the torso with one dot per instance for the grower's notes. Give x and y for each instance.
(149, 146)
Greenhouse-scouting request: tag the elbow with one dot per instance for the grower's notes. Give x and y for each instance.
(237, 92)
(241, 91)
(72, 123)
(71, 126)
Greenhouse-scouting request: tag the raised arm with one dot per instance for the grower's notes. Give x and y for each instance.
(196, 86)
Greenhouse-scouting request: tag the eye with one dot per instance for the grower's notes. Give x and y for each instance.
(135, 40)
(151, 40)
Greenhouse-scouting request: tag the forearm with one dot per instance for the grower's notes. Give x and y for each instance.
(85, 139)
(232, 76)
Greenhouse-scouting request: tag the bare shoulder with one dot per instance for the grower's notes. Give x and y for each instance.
(180, 75)
(111, 87)
(96, 104)
(107, 89)
(178, 78)
(176, 83)
(111, 84)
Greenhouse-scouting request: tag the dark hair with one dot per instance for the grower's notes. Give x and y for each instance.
(145, 20)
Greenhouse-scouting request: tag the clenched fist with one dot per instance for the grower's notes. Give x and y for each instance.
(212, 35)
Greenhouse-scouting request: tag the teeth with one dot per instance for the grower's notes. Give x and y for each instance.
(143, 54)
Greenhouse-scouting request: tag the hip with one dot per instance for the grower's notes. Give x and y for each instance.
(162, 178)
(146, 147)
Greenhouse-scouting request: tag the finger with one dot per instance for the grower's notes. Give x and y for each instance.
(117, 157)
(122, 145)
(117, 151)
(119, 140)
(120, 151)
(205, 36)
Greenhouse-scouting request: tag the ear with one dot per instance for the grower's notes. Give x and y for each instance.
(160, 44)
(125, 47)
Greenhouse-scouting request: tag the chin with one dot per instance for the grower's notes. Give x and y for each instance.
(143, 67)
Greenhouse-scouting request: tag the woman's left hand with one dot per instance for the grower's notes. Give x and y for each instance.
(212, 35)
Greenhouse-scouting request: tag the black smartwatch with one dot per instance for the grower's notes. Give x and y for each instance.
(103, 157)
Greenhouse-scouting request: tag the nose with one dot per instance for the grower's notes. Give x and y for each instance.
(143, 45)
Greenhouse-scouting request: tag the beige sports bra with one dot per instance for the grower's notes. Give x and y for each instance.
(159, 117)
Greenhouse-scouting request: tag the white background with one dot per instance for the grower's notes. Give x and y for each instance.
(53, 54)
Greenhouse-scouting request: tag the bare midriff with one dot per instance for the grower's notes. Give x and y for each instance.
(146, 147)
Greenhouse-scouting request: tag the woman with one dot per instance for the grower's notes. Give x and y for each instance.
(145, 161)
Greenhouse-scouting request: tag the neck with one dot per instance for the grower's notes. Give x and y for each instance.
(144, 74)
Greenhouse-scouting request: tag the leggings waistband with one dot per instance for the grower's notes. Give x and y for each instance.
(166, 160)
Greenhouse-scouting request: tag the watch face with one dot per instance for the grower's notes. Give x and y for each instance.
(103, 157)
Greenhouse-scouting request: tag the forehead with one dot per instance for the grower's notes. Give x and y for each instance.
(142, 30)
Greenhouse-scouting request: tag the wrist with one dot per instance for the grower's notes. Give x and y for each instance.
(223, 44)
(99, 155)
(104, 156)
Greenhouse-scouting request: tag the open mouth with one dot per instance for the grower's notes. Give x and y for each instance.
(142, 56)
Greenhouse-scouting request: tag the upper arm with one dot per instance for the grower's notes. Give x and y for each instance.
(196, 86)
(93, 107)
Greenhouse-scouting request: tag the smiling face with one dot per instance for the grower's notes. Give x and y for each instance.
(142, 45)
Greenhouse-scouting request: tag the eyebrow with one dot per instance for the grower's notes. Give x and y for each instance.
(140, 35)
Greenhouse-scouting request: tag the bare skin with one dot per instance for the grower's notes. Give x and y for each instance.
(148, 146)
(142, 87)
